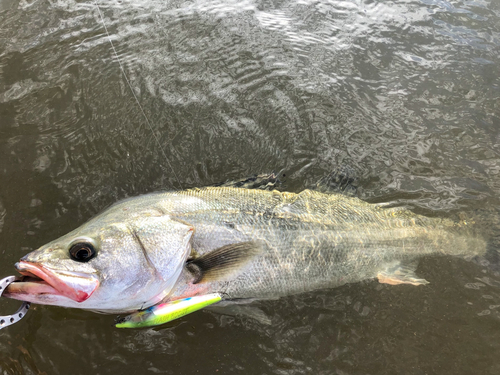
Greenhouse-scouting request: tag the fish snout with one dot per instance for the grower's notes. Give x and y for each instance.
(22, 268)
(40, 255)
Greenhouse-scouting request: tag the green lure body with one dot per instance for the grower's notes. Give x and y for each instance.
(166, 312)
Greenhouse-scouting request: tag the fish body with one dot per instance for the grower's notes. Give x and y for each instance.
(239, 243)
(312, 240)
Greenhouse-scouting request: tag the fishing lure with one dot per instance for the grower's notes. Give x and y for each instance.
(166, 312)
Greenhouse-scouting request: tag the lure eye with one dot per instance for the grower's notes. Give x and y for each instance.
(82, 252)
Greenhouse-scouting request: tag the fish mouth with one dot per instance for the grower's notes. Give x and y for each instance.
(41, 281)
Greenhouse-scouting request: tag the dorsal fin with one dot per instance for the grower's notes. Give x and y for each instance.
(263, 181)
(342, 180)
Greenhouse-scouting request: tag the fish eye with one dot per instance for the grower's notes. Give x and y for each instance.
(82, 252)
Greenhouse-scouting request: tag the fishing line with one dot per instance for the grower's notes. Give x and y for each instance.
(133, 93)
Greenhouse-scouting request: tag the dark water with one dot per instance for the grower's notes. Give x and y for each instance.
(405, 93)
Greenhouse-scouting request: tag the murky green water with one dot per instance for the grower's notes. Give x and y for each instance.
(405, 93)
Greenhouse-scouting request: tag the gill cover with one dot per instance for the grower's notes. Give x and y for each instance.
(165, 244)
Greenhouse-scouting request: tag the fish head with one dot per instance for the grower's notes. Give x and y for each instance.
(121, 261)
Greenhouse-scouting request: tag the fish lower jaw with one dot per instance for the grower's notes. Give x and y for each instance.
(29, 288)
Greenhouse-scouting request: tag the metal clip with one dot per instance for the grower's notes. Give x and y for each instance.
(8, 320)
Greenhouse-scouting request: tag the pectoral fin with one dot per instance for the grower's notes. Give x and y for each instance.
(402, 273)
(219, 263)
(166, 312)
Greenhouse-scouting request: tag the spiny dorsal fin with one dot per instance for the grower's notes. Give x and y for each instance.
(220, 262)
(264, 181)
(342, 180)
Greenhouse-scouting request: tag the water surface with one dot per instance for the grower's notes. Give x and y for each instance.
(406, 94)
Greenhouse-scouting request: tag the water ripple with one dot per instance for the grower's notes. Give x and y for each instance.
(405, 93)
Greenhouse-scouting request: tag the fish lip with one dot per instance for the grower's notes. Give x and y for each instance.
(64, 283)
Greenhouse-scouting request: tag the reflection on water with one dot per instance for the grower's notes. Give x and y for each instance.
(404, 93)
